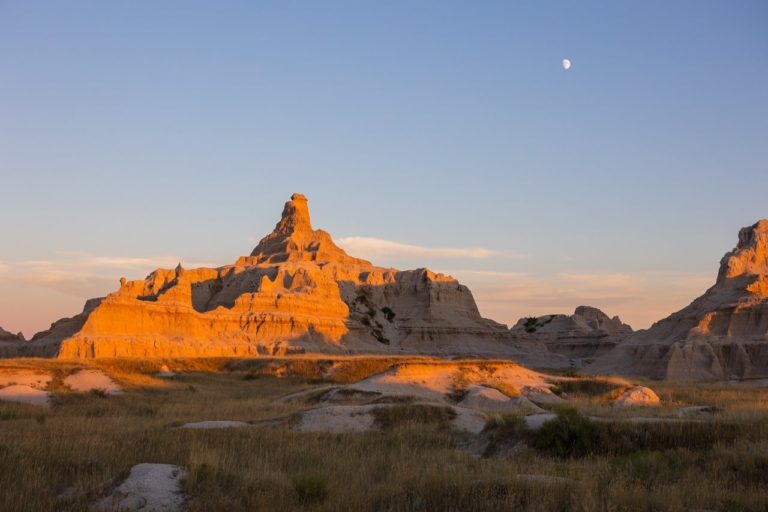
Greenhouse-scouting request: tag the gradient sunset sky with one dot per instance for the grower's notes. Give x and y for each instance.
(443, 134)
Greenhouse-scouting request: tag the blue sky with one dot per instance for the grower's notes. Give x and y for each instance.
(134, 134)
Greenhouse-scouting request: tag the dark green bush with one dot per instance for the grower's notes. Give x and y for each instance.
(395, 415)
(310, 487)
(591, 387)
(570, 434)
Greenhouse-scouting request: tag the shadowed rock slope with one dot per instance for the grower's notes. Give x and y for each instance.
(721, 335)
(297, 292)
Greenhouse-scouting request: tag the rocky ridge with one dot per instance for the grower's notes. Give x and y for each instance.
(721, 335)
(580, 337)
(296, 292)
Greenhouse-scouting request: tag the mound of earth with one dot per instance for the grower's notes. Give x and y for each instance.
(470, 388)
(580, 337)
(360, 418)
(721, 335)
(296, 292)
(638, 396)
(493, 400)
(437, 380)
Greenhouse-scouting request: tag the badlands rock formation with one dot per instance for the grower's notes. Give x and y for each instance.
(10, 344)
(580, 337)
(721, 335)
(296, 292)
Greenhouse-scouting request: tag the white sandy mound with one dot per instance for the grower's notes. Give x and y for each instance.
(337, 419)
(489, 399)
(535, 421)
(434, 380)
(148, 488)
(90, 380)
(639, 396)
(32, 378)
(24, 394)
(542, 395)
(468, 420)
(359, 418)
(213, 424)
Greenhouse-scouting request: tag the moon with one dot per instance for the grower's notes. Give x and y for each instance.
(566, 64)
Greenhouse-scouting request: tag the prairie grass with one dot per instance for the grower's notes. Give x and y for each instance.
(65, 457)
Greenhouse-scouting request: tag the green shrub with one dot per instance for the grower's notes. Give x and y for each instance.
(590, 387)
(570, 434)
(310, 487)
(395, 415)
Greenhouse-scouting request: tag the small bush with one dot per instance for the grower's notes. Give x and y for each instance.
(590, 387)
(310, 487)
(8, 414)
(396, 415)
(531, 323)
(570, 434)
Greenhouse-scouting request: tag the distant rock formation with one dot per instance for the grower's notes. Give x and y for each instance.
(297, 292)
(8, 336)
(721, 335)
(11, 344)
(580, 337)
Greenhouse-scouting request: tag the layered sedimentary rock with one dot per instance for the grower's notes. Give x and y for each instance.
(296, 292)
(721, 335)
(580, 337)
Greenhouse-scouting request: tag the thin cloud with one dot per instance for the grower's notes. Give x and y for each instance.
(83, 274)
(371, 248)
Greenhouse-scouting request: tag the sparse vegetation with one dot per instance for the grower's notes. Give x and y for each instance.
(310, 487)
(589, 386)
(570, 434)
(64, 458)
(413, 414)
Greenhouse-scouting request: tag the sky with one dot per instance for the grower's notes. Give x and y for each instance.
(435, 133)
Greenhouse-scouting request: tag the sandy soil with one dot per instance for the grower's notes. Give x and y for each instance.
(25, 394)
(148, 488)
(32, 378)
(89, 380)
(337, 419)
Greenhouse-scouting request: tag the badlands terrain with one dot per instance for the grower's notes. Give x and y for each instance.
(303, 378)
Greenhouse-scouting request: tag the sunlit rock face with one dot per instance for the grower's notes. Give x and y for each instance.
(580, 337)
(721, 335)
(296, 292)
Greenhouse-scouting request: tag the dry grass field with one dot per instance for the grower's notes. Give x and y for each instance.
(67, 456)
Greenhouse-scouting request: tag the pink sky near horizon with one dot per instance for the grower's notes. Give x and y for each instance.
(44, 292)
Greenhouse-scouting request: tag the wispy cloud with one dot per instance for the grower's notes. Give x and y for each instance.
(83, 274)
(372, 248)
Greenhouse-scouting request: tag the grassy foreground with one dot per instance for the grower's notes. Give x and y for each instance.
(66, 457)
